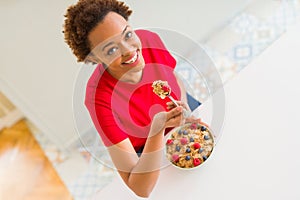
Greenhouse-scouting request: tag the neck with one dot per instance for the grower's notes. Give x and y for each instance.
(132, 77)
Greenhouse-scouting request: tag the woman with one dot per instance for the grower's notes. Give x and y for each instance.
(129, 117)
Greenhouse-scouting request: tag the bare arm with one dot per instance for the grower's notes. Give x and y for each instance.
(141, 173)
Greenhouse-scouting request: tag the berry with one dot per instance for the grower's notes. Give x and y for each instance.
(185, 132)
(188, 150)
(196, 161)
(197, 145)
(166, 88)
(183, 141)
(177, 148)
(188, 157)
(206, 137)
(193, 126)
(175, 158)
(180, 132)
(169, 141)
(201, 150)
(192, 140)
(204, 158)
(203, 128)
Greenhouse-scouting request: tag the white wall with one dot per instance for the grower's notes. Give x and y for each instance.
(37, 70)
(194, 18)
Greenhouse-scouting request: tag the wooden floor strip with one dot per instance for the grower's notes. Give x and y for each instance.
(25, 171)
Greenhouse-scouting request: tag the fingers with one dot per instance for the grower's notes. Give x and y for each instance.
(175, 117)
(171, 105)
(204, 124)
(193, 119)
(174, 112)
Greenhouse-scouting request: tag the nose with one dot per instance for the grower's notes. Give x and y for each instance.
(126, 48)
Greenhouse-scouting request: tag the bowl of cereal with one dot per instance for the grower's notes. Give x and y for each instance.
(190, 145)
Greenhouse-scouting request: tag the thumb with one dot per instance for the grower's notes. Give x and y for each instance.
(174, 112)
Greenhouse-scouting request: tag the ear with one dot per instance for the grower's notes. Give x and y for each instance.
(93, 59)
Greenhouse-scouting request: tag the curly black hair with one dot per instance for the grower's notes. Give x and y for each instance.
(83, 17)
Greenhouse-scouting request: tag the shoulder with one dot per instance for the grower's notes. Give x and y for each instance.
(96, 90)
(143, 33)
(150, 39)
(154, 50)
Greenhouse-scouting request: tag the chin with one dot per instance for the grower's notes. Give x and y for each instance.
(140, 65)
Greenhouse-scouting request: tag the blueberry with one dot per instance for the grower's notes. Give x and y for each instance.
(180, 132)
(204, 158)
(201, 150)
(203, 128)
(206, 137)
(185, 132)
(192, 140)
(188, 157)
(177, 148)
(188, 150)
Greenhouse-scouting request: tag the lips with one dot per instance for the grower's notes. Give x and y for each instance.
(132, 60)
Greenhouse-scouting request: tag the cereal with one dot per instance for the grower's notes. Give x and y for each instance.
(161, 88)
(190, 145)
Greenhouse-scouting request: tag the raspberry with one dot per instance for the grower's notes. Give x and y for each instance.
(183, 141)
(169, 141)
(196, 161)
(166, 88)
(175, 158)
(193, 126)
(197, 145)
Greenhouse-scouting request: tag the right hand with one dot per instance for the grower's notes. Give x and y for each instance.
(167, 119)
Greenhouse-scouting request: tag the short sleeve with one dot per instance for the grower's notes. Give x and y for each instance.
(154, 50)
(99, 108)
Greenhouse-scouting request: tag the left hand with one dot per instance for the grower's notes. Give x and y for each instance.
(191, 118)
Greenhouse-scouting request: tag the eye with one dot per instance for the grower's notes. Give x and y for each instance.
(111, 51)
(128, 35)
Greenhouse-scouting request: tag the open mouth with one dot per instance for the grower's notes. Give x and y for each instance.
(133, 59)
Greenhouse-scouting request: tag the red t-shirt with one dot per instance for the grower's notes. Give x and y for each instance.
(121, 110)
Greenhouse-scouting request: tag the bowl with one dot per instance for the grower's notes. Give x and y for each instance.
(189, 146)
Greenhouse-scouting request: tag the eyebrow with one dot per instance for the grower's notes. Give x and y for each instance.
(125, 29)
(110, 43)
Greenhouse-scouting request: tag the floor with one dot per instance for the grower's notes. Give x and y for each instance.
(25, 171)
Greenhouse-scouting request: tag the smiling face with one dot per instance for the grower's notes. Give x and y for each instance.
(116, 45)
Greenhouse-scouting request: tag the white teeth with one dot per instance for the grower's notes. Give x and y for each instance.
(133, 59)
